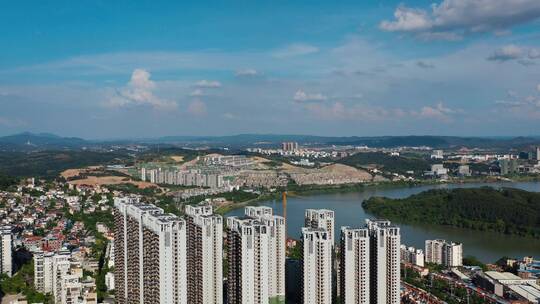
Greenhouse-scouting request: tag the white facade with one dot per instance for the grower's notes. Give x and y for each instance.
(434, 251)
(321, 218)
(317, 266)
(453, 254)
(385, 241)
(206, 257)
(355, 276)
(412, 255)
(152, 255)
(109, 281)
(444, 253)
(250, 271)
(277, 249)
(6, 244)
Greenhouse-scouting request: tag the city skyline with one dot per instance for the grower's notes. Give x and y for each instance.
(105, 70)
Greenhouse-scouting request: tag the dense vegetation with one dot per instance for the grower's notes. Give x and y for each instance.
(49, 164)
(509, 211)
(7, 181)
(23, 282)
(397, 164)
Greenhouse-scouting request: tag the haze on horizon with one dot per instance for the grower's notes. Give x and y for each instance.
(139, 69)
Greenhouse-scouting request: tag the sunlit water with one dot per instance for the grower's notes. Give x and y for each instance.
(487, 246)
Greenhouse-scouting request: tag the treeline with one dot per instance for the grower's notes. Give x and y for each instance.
(397, 164)
(48, 164)
(507, 210)
(7, 181)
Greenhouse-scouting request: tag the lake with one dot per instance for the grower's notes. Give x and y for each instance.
(486, 246)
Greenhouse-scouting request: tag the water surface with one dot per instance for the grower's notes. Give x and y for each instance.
(487, 246)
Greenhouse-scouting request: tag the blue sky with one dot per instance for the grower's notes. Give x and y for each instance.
(139, 68)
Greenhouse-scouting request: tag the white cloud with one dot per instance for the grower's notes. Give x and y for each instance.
(534, 54)
(301, 96)
(463, 16)
(197, 108)
(139, 91)
(246, 73)
(208, 84)
(197, 93)
(297, 49)
(437, 112)
(508, 52)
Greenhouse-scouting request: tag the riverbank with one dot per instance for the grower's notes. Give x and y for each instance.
(312, 190)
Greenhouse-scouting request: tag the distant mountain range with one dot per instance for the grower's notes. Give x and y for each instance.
(31, 141)
(42, 141)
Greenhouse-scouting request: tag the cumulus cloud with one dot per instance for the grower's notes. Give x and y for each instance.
(246, 73)
(197, 93)
(293, 50)
(209, 84)
(437, 112)
(197, 108)
(524, 56)
(454, 18)
(301, 96)
(139, 91)
(425, 65)
(505, 53)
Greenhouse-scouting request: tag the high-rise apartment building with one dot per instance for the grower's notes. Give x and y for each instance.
(248, 259)
(205, 255)
(320, 218)
(433, 252)
(289, 146)
(316, 266)
(6, 259)
(444, 253)
(249, 239)
(354, 263)
(276, 247)
(150, 254)
(385, 241)
(412, 255)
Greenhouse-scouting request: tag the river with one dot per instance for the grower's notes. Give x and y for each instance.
(486, 246)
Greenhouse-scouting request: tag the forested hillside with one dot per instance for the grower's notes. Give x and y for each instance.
(510, 211)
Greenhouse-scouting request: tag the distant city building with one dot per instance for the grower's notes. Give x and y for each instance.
(227, 160)
(354, 266)
(289, 146)
(508, 166)
(439, 170)
(57, 274)
(437, 154)
(412, 255)
(316, 266)
(205, 255)
(320, 218)
(182, 177)
(444, 253)
(538, 153)
(150, 254)
(384, 260)
(464, 170)
(6, 258)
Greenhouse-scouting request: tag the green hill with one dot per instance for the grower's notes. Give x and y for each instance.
(397, 164)
(507, 210)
